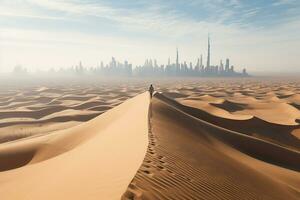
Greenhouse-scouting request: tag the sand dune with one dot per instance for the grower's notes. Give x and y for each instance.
(199, 139)
(279, 113)
(230, 106)
(264, 109)
(43, 106)
(276, 133)
(79, 117)
(295, 98)
(95, 160)
(267, 108)
(21, 130)
(296, 133)
(188, 158)
(214, 110)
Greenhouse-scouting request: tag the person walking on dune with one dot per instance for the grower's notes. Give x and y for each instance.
(151, 90)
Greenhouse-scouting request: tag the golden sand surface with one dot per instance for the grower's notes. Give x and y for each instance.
(222, 139)
(196, 139)
(189, 157)
(266, 109)
(93, 160)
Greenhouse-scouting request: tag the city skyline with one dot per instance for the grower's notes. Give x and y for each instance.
(151, 68)
(183, 68)
(40, 34)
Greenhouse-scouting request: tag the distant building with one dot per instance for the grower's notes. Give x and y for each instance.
(245, 72)
(221, 69)
(227, 65)
(183, 69)
(177, 63)
(19, 70)
(152, 68)
(208, 56)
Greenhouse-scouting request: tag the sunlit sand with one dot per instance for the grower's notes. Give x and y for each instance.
(210, 139)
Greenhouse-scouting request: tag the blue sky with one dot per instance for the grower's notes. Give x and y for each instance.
(259, 35)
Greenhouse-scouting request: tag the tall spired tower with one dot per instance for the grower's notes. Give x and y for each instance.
(177, 62)
(208, 54)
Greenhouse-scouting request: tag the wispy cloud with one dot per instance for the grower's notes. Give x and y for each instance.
(159, 17)
(238, 26)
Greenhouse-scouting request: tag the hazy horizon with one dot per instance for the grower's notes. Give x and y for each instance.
(263, 37)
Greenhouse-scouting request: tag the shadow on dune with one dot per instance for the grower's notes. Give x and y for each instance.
(229, 106)
(15, 159)
(295, 105)
(275, 133)
(234, 132)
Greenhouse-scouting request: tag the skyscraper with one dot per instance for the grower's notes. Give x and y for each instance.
(177, 62)
(197, 67)
(208, 55)
(227, 65)
(201, 62)
(221, 69)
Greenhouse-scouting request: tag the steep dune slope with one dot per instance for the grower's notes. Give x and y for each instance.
(94, 160)
(188, 158)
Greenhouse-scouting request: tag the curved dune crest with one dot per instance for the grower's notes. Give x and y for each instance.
(279, 113)
(188, 158)
(206, 98)
(214, 110)
(270, 110)
(94, 160)
(256, 127)
(294, 99)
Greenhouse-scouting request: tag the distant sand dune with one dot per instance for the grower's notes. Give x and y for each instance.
(21, 130)
(277, 133)
(214, 110)
(230, 106)
(81, 117)
(41, 106)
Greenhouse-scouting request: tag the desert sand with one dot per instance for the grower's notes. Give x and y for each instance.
(207, 139)
(190, 158)
(94, 160)
(35, 110)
